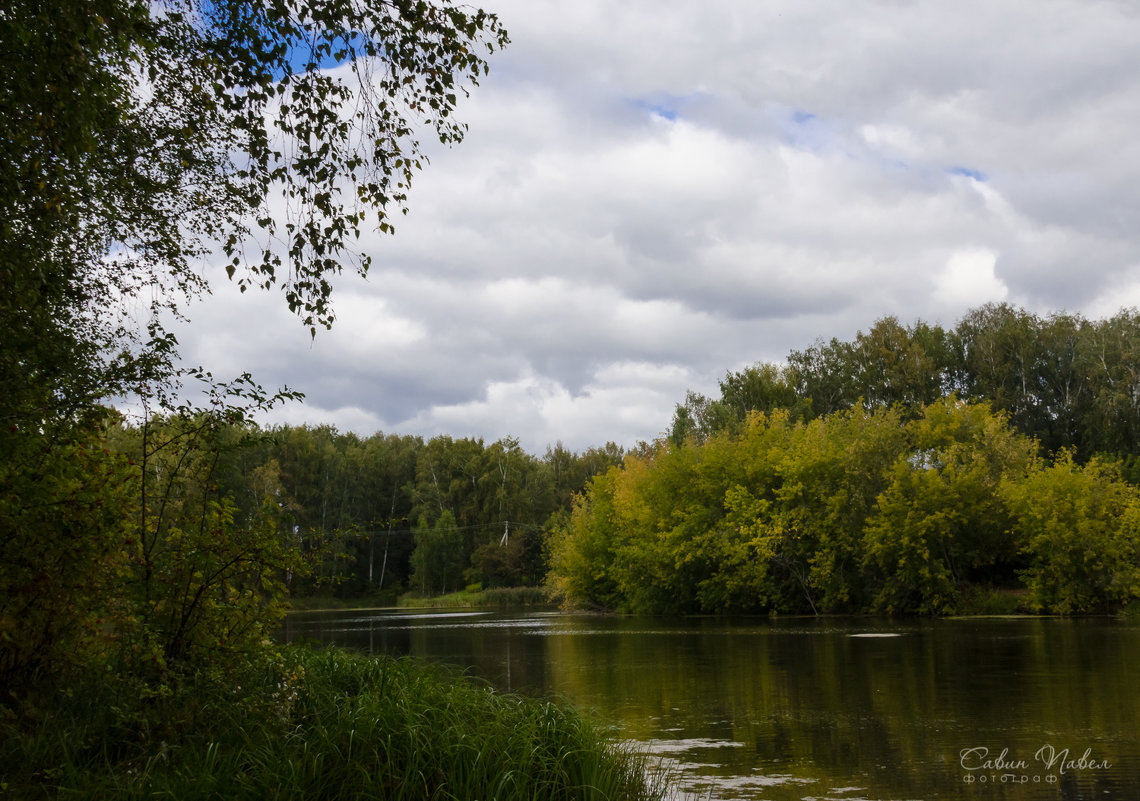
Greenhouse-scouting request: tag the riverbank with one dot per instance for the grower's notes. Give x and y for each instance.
(315, 724)
(497, 598)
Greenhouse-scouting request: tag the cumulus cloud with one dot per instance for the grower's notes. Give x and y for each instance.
(620, 399)
(652, 193)
(969, 280)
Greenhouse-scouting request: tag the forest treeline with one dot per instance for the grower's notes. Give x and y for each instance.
(894, 472)
(1067, 381)
(385, 513)
(913, 469)
(181, 537)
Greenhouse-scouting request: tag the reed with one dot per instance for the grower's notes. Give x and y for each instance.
(498, 597)
(334, 725)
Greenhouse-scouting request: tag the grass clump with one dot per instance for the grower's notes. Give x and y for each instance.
(497, 598)
(990, 601)
(325, 602)
(323, 724)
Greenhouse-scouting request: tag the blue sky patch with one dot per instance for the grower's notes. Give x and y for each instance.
(665, 108)
(806, 131)
(966, 171)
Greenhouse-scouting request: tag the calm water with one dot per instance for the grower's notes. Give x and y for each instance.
(835, 710)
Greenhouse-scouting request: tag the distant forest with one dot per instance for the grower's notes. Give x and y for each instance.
(374, 516)
(894, 472)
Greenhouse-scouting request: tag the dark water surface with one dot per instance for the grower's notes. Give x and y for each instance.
(835, 709)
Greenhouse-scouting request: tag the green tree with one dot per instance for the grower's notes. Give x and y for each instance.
(1080, 529)
(761, 388)
(664, 501)
(65, 515)
(389, 463)
(832, 472)
(1111, 355)
(940, 523)
(201, 581)
(741, 574)
(137, 141)
(897, 365)
(582, 548)
(823, 374)
(437, 561)
(698, 418)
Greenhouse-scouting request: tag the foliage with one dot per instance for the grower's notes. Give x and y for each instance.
(860, 510)
(64, 510)
(138, 141)
(517, 560)
(137, 128)
(941, 524)
(759, 388)
(203, 579)
(366, 493)
(1064, 380)
(1080, 529)
(312, 724)
(832, 471)
(437, 560)
(582, 548)
(888, 493)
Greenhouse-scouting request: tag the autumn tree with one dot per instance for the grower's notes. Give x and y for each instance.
(1079, 528)
(940, 523)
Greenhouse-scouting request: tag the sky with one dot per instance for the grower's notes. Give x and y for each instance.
(652, 193)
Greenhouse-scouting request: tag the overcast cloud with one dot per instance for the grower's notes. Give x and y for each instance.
(653, 193)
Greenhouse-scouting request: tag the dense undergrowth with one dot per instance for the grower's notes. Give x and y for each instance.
(310, 724)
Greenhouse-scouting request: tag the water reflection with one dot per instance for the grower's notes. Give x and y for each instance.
(822, 709)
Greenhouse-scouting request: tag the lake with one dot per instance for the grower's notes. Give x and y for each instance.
(831, 709)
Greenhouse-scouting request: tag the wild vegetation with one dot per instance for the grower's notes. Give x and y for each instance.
(914, 469)
(368, 517)
(143, 566)
(135, 143)
(145, 562)
(316, 724)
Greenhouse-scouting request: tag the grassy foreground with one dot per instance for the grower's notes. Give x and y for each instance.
(319, 724)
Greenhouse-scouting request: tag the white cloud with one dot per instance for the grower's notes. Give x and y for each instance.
(969, 280)
(620, 399)
(346, 418)
(1121, 293)
(652, 193)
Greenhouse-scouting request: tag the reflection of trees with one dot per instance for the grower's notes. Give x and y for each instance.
(890, 712)
(804, 698)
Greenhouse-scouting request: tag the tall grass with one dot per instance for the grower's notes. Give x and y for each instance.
(499, 597)
(333, 726)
